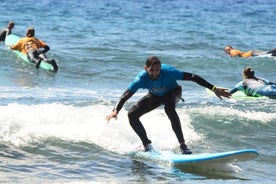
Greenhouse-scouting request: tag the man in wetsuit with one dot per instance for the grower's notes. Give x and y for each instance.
(30, 45)
(6, 31)
(254, 86)
(235, 52)
(160, 80)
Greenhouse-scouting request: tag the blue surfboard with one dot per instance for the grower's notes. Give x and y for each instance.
(171, 158)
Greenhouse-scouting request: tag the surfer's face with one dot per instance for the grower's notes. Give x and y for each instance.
(153, 71)
(227, 50)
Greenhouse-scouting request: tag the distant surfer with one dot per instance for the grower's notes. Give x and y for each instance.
(161, 81)
(31, 46)
(251, 53)
(6, 31)
(254, 86)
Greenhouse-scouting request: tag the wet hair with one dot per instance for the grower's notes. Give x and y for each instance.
(11, 24)
(152, 60)
(227, 46)
(248, 72)
(30, 32)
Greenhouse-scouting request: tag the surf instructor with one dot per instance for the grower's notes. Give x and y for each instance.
(160, 80)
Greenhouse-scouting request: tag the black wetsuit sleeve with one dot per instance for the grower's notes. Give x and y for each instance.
(126, 95)
(272, 83)
(199, 80)
(45, 49)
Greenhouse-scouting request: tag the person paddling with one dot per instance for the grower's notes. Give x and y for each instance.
(251, 53)
(34, 48)
(254, 86)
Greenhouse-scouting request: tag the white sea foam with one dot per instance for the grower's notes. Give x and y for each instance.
(263, 117)
(21, 124)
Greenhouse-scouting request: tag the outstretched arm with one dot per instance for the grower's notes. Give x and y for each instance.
(16, 46)
(234, 90)
(199, 80)
(118, 106)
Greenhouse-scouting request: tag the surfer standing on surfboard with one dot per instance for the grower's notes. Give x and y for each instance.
(31, 45)
(235, 52)
(160, 80)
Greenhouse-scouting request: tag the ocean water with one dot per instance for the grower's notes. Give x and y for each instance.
(52, 126)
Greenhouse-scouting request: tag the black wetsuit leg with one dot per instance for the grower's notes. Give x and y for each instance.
(33, 56)
(150, 102)
(53, 63)
(144, 105)
(170, 101)
(50, 61)
(36, 56)
(42, 56)
(272, 52)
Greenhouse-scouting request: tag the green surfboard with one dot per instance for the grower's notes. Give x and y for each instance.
(12, 39)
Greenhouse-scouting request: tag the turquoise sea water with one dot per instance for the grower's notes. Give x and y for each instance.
(52, 127)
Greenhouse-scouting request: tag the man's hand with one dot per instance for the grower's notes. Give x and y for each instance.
(222, 92)
(112, 115)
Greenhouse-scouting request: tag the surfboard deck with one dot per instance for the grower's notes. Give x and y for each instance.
(12, 39)
(238, 95)
(171, 158)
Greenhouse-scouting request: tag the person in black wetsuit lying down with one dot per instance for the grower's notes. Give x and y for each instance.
(31, 46)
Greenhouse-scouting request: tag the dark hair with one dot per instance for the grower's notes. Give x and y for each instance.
(229, 46)
(11, 24)
(248, 72)
(30, 32)
(152, 60)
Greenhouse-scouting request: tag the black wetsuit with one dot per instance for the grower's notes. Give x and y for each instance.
(3, 33)
(36, 55)
(151, 101)
(272, 52)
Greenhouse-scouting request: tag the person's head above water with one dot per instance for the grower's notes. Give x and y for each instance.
(248, 73)
(30, 32)
(153, 67)
(228, 48)
(11, 25)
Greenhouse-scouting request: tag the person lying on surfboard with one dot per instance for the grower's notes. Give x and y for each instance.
(161, 81)
(31, 46)
(254, 86)
(6, 31)
(235, 52)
